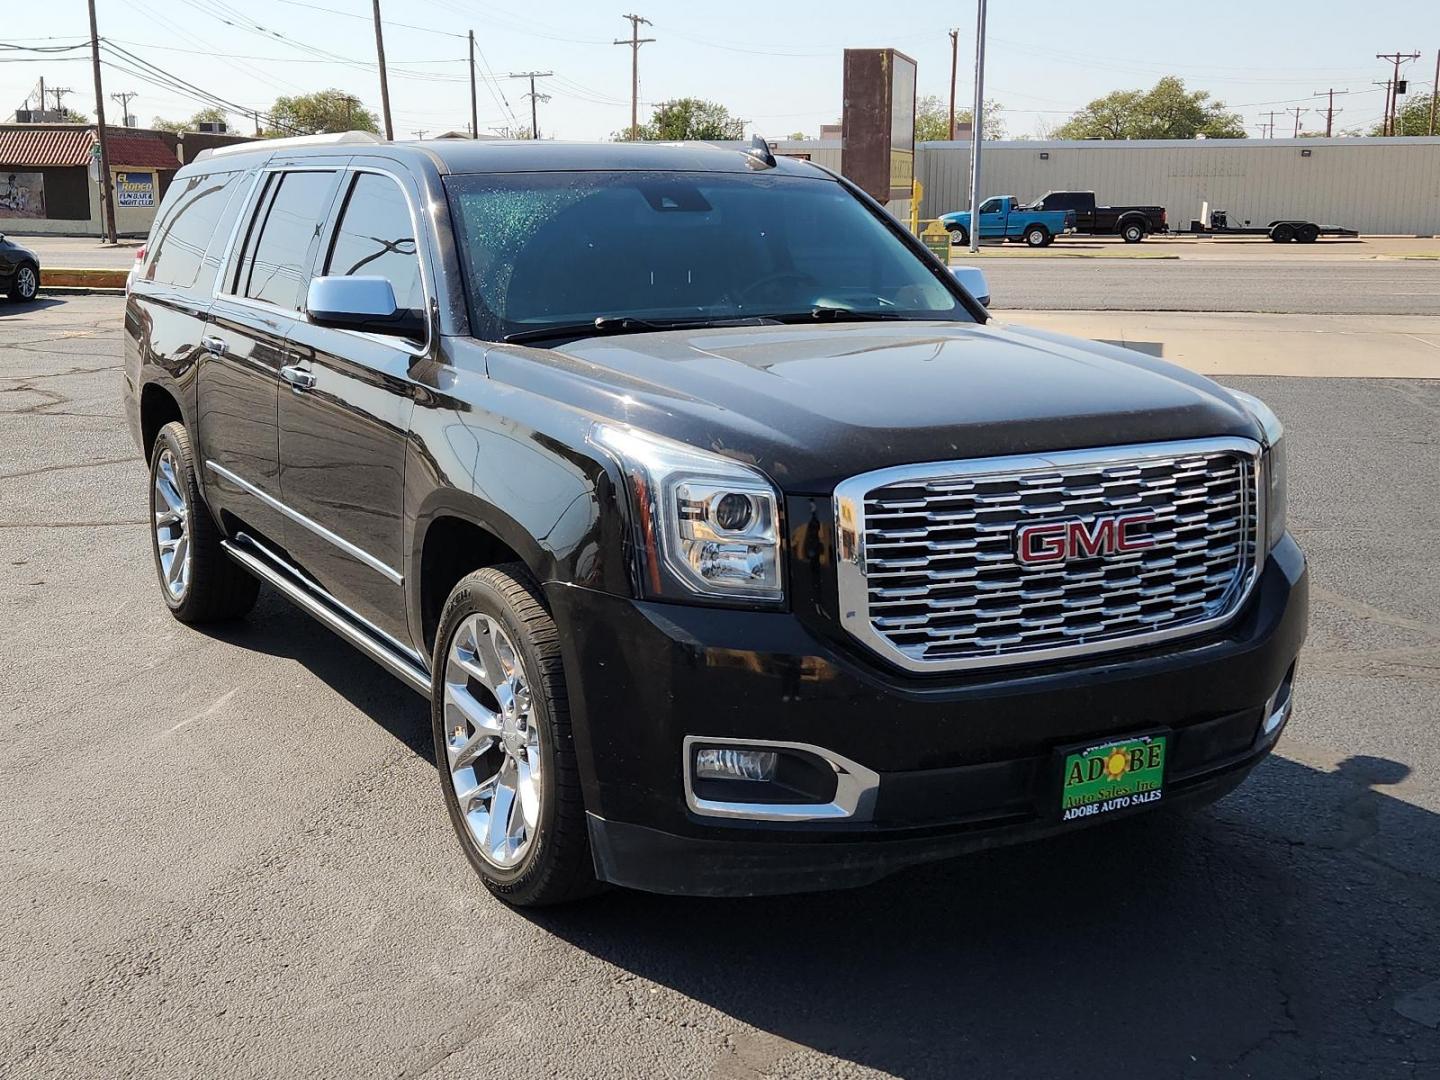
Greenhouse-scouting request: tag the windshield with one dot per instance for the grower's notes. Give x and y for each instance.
(561, 249)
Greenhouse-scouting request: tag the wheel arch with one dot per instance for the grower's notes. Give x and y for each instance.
(159, 405)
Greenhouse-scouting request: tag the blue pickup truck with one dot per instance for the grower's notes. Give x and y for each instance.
(1003, 218)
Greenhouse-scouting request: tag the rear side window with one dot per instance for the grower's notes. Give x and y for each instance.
(376, 238)
(276, 266)
(191, 226)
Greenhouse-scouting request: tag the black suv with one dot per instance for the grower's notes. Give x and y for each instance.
(735, 548)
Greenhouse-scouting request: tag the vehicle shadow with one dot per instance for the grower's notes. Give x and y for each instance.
(277, 628)
(1149, 348)
(23, 307)
(1271, 935)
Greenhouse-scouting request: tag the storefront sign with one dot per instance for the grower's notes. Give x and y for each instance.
(134, 189)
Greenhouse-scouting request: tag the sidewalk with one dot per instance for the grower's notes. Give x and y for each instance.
(1228, 343)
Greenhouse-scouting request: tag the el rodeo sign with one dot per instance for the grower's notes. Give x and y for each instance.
(134, 189)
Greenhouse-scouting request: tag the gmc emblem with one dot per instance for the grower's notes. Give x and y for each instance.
(1060, 541)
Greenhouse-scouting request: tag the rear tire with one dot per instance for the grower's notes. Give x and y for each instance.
(1036, 236)
(198, 581)
(26, 283)
(1308, 233)
(1132, 232)
(501, 721)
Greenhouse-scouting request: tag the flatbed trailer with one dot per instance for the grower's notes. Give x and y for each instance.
(1281, 230)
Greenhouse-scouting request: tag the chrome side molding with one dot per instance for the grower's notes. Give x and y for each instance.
(358, 631)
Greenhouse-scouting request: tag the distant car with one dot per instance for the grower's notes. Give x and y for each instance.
(1002, 218)
(1132, 223)
(19, 270)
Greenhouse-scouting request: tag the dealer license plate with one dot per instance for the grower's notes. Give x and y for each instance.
(1119, 775)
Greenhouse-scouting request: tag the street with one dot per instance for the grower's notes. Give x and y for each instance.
(225, 852)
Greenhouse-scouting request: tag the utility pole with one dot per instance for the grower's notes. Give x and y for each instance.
(1330, 109)
(419, 134)
(635, 42)
(1435, 91)
(59, 92)
(107, 193)
(124, 97)
(474, 115)
(1299, 112)
(384, 80)
(534, 97)
(42, 99)
(954, 57)
(977, 126)
(1271, 129)
(1392, 99)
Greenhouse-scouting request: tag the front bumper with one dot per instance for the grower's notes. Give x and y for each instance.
(963, 762)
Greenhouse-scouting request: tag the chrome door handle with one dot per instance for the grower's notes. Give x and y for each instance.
(213, 345)
(297, 377)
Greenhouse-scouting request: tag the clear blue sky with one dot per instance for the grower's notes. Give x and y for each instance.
(776, 64)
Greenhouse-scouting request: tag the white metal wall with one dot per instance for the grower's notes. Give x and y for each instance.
(1373, 185)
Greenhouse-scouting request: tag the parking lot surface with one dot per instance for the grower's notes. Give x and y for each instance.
(224, 852)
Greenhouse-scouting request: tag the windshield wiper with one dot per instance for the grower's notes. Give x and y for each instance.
(627, 324)
(821, 313)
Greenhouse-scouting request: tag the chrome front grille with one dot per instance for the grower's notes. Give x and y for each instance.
(929, 575)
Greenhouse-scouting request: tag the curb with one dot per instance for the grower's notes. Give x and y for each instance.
(77, 278)
(79, 290)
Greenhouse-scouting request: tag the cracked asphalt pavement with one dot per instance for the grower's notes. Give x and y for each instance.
(224, 853)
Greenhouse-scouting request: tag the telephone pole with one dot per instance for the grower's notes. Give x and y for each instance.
(419, 134)
(107, 193)
(59, 92)
(635, 42)
(954, 57)
(533, 96)
(384, 81)
(977, 125)
(1330, 109)
(124, 97)
(474, 115)
(1435, 91)
(1271, 134)
(1299, 112)
(1392, 99)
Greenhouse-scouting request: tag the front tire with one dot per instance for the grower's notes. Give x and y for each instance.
(197, 579)
(501, 721)
(959, 238)
(26, 283)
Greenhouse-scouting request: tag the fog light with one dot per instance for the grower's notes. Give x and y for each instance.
(714, 763)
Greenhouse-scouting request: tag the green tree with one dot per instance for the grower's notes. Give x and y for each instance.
(932, 115)
(323, 111)
(688, 118)
(72, 117)
(1413, 118)
(204, 116)
(1166, 111)
(798, 136)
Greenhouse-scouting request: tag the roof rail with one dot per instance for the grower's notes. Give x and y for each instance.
(337, 138)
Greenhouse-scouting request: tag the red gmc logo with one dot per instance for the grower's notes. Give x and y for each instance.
(1059, 541)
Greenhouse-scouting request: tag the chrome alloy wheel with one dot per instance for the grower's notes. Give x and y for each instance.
(27, 284)
(172, 521)
(492, 741)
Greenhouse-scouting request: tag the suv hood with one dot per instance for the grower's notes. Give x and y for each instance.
(813, 405)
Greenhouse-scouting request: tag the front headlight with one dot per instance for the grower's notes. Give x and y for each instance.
(704, 525)
(1273, 479)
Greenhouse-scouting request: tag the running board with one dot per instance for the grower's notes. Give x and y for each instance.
(313, 600)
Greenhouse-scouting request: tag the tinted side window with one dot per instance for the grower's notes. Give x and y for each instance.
(277, 269)
(990, 206)
(376, 238)
(197, 206)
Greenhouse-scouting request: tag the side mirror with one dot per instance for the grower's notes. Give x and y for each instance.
(972, 280)
(366, 304)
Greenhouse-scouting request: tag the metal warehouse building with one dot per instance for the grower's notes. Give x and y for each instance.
(1373, 185)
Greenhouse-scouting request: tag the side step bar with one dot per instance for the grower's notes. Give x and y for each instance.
(310, 598)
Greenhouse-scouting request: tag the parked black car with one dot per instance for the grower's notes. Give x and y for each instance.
(19, 270)
(735, 549)
(1133, 223)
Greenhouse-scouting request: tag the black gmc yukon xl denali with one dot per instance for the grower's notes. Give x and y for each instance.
(735, 547)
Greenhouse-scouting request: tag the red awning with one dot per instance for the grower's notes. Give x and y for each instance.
(42, 145)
